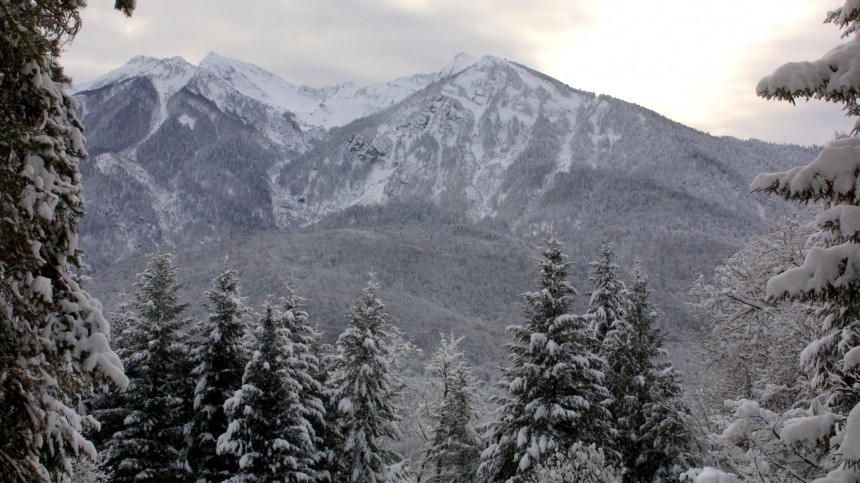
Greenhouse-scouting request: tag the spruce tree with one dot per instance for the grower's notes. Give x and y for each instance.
(553, 393)
(53, 337)
(268, 430)
(156, 406)
(364, 388)
(830, 274)
(219, 359)
(607, 304)
(454, 447)
(330, 438)
(306, 370)
(646, 406)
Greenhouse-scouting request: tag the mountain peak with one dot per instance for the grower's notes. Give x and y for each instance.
(143, 64)
(168, 74)
(211, 56)
(461, 62)
(216, 62)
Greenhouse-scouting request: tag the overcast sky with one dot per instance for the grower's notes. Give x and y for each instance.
(696, 62)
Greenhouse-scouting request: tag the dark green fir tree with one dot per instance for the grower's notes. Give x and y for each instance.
(156, 405)
(553, 393)
(219, 359)
(365, 388)
(268, 429)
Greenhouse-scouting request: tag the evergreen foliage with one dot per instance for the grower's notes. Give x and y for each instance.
(828, 276)
(106, 405)
(653, 437)
(219, 358)
(306, 370)
(646, 408)
(268, 429)
(53, 337)
(364, 388)
(328, 433)
(455, 447)
(607, 304)
(579, 464)
(553, 393)
(156, 406)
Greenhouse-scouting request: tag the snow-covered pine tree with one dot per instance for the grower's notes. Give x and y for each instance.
(268, 431)
(553, 393)
(156, 406)
(652, 435)
(579, 464)
(365, 389)
(305, 366)
(329, 435)
(607, 303)
(103, 405)
(454, 448)
(53, 337)
(830, 272)
(219, 359)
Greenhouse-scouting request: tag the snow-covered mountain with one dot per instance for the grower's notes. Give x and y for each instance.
(185, 154)
(324, 107)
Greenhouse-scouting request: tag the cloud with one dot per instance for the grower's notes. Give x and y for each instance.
(748, 115)
(322, 42)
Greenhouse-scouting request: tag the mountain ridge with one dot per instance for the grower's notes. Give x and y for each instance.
(309, 104)
(222, 156)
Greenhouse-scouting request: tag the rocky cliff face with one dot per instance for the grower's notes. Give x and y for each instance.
(184, 154)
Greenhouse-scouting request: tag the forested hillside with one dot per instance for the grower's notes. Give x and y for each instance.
(476, 274)
(184, 155)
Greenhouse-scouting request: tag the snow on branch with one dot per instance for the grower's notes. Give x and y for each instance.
(832, 176)
(843, 220)
(846, 17)
(828, 272)
(708, 475)
(809, 430)
(835, 77)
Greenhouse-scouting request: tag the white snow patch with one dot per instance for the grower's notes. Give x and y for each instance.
(324, 107)
(808, 429)
(823, 268)
(461, 62)
(851, 359)
(374, 192)
(187, 121)
(837, 71)
(42, 287)
(844, 219)
(835, 169)
(850, 447)
(708, 475)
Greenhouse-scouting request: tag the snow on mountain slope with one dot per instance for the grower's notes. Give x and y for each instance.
(324, 107)
(168, 75)
(494, 137)
(225, 148)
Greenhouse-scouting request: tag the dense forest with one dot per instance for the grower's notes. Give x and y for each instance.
(586, 394)
(257, 396)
